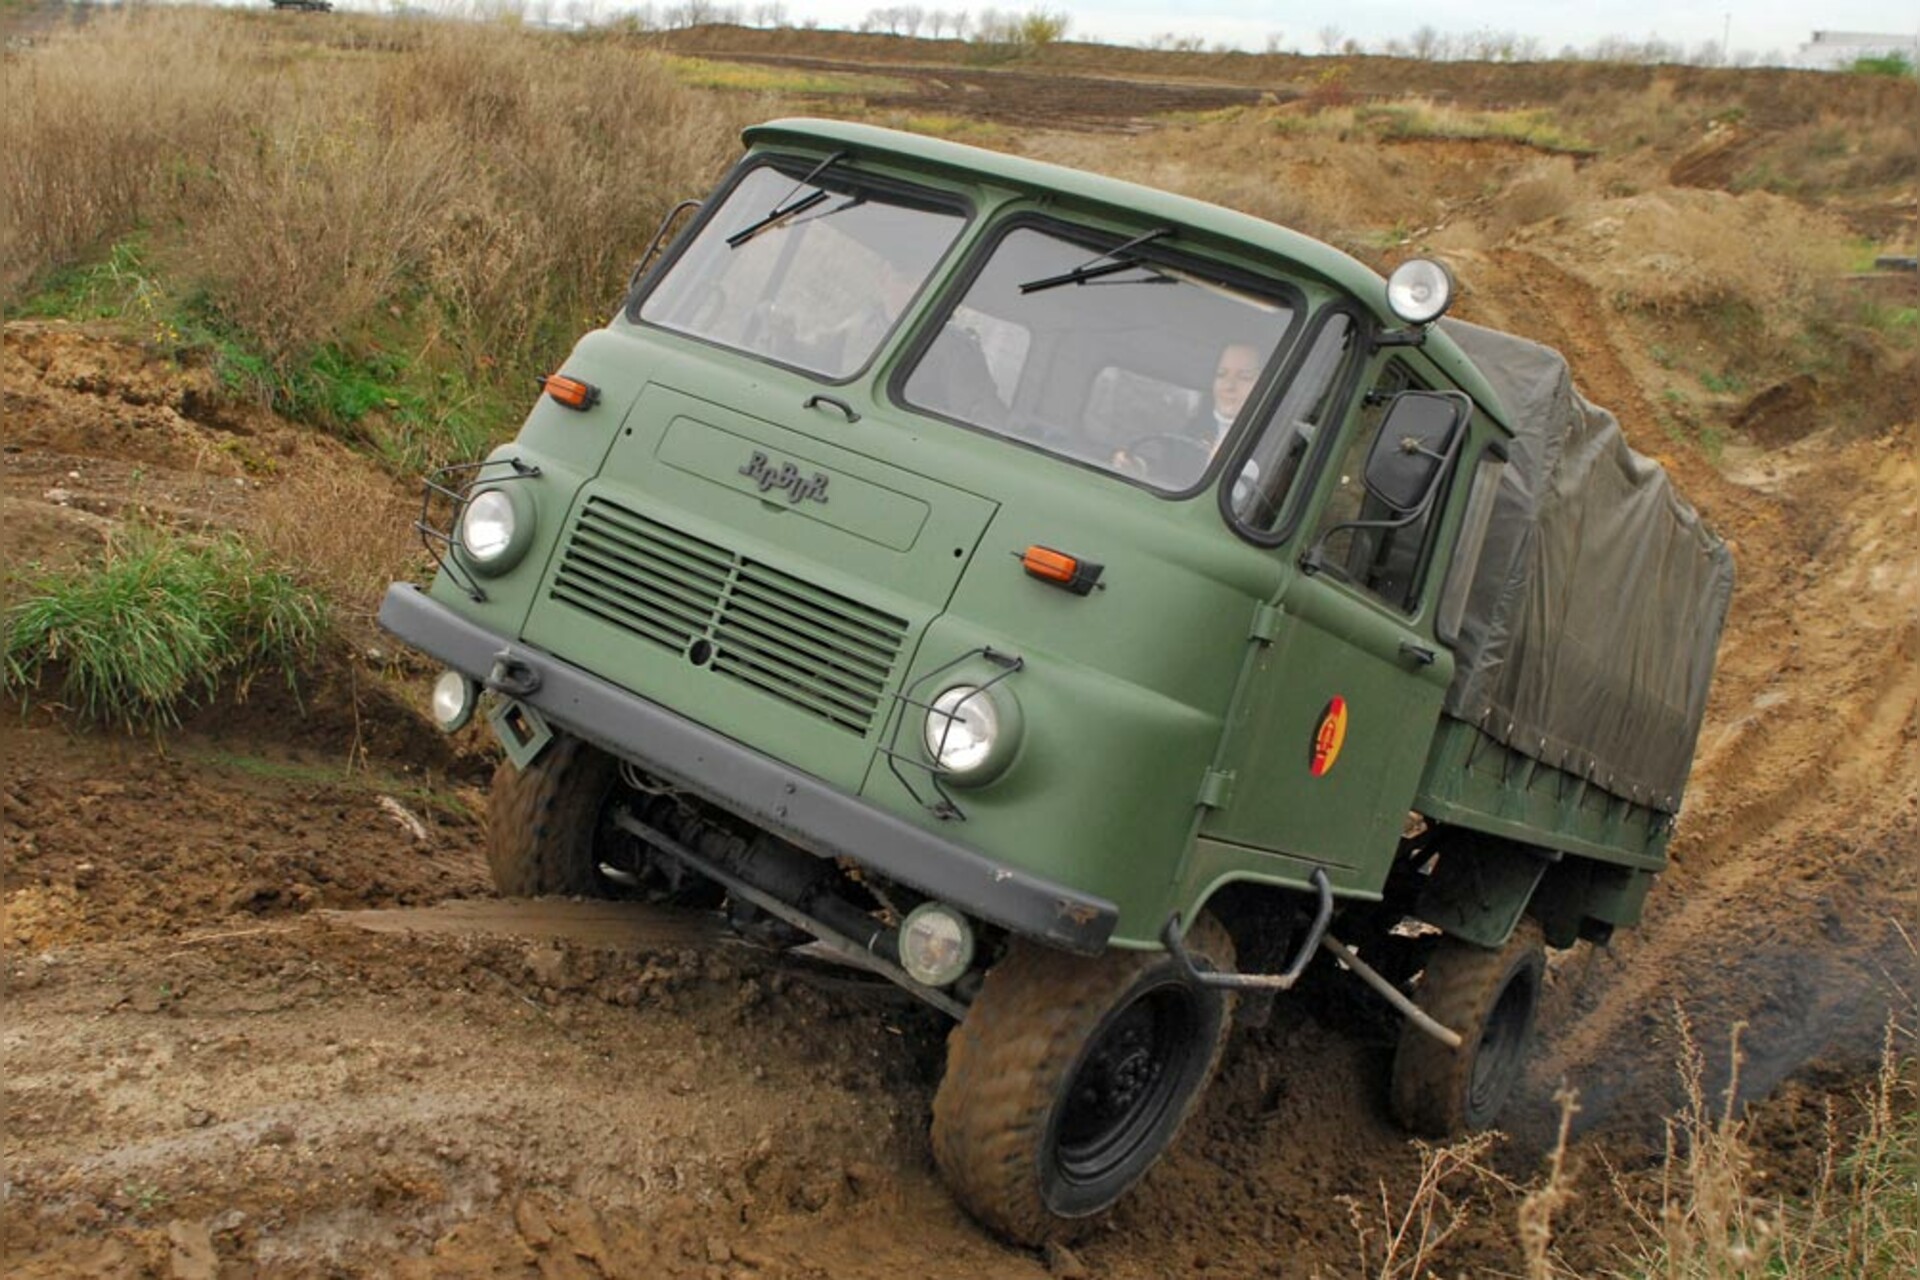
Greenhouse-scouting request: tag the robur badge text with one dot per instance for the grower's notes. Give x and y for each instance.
(786, 476)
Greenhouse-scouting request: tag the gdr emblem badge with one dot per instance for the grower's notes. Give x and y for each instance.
(1329, 737)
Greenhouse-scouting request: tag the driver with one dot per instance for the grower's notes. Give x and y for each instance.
(1184, 453)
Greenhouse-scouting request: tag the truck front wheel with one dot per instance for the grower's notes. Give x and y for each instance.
(1070, 1076)
(1490, 998)
(546, 822)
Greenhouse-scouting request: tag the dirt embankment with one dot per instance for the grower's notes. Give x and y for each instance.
(212, 1068)
(1772, 98)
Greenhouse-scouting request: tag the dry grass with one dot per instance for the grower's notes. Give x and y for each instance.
(301, 517)
(115, 127)
(494, 184)
(1834, 154)
(1704, 1213)
(1424, 118)
(1357, 192)
(1403, 1241)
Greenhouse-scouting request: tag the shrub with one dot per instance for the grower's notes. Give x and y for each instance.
(1885, 64)
(163, 620)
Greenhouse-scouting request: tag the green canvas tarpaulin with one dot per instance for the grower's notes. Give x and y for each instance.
(1589, 633)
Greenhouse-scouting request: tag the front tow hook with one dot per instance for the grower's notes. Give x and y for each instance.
(511, 676)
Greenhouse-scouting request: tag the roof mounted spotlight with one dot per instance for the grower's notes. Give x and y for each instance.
(1418, 292)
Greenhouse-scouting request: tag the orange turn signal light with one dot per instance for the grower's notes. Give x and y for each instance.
(571, 392)
(1076, 575)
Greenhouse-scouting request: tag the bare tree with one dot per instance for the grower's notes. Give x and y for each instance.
(1330, 39)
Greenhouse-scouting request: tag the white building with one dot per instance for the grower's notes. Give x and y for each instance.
(1834, 50)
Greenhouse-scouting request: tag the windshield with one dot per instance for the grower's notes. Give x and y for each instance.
(1137, 366)
(812, 273)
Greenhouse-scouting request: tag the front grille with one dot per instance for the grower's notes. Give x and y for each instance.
(811, 648)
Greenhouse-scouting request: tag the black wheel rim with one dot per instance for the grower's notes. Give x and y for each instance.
(1503, 1047)
(1132, 1077)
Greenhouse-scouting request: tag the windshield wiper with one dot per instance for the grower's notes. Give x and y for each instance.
(783, 210)
(1112, 262)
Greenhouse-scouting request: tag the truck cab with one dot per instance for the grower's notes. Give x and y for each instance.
(1046, 593)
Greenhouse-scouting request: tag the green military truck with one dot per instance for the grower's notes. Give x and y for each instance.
(1083, 606)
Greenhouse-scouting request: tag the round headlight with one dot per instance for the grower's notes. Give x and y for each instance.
(936, 944)
(453, 699)
(1420, 290)
(962, 725)
(487, 526)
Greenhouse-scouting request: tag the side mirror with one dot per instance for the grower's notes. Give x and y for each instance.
(1415, 442)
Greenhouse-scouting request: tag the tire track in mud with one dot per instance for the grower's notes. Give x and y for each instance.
(1795, 858)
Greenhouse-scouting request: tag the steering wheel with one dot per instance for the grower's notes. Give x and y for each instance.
(1172, 461)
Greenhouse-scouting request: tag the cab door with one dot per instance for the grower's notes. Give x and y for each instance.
(1328, 740)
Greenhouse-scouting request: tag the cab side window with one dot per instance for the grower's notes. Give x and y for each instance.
(1267, 480)
(1387, 560)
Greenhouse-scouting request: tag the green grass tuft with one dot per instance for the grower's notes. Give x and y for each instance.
(163, 621)
(409, 414)
(1887, 64)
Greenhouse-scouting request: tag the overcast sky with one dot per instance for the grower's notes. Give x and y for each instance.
(1754, 25)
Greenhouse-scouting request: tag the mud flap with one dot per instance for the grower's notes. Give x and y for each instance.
(1478, 890)
(523, 731)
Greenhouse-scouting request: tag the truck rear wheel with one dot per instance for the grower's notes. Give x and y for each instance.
(1490, 997)
(1070, 1076)
(545, 822)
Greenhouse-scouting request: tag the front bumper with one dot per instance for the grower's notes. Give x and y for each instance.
(780, 799)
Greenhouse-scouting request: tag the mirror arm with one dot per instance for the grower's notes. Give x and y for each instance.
(1312, 562)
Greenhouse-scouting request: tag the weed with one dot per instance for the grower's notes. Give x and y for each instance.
(1901, 324)
(145, 1197)
(739, 77)
(1400, 1243)
(1701, 1216)
(163, 620)
(115, 286)
(471, 183)
(981, 133)
(1887, 64)
(346, 529)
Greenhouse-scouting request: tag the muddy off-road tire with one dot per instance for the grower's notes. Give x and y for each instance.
(543, 822)
(1070, 1076)
(1490, 997)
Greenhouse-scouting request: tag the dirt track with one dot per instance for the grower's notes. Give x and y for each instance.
(207, 1070)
